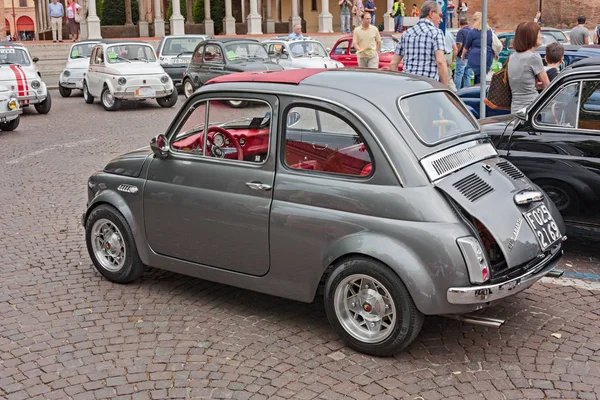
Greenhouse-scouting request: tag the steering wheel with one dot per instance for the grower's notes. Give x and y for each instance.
(228, 135)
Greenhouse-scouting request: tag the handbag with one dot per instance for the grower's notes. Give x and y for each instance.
(499, 96)
(76, 13)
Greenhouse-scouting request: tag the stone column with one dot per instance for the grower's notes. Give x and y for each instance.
(93, 21)
(39, 21)
(128, 17)
(270, 20)
(142, 23)
(229, 21)
(243, 7)
(189, 9)
(388, 21)
(46, 16)
(254, 19)
(177, 23)
(83, 28)
(159, 22)
(325, 18)
(295, 19)
(209, 25)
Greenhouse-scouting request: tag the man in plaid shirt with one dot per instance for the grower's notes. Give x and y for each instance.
(422, 46)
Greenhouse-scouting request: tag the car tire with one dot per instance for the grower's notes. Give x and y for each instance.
(188, 88)
(89, 99)
(109, 102)
(10, 125)
(375, 286)
(562, 194)
(105, 229)
(45, 106)
(237, 103)
(168, 101)
(64, 92)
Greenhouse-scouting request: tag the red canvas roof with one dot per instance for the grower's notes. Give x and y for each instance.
(291, 77)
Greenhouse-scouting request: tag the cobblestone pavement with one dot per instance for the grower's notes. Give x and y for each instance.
(67, 333)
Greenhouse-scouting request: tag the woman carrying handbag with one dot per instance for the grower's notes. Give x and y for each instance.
(73, 19)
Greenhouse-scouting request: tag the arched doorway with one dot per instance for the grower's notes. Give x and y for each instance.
(7, 26)
(25, 28)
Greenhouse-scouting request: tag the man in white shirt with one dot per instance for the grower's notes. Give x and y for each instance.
(450, 51)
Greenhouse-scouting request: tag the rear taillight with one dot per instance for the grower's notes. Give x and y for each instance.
(475, 259)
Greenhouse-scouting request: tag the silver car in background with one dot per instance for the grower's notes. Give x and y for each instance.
(299, 53)
(175, 53)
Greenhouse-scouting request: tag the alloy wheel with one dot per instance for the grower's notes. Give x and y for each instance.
(108, 245)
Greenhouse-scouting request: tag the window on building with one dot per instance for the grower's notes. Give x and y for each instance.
(22, 3)
(313, 6)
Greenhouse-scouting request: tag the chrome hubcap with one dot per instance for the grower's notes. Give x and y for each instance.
(85, 92)
(108, 99)
(365, 308)
(188, 89)
(108, 245)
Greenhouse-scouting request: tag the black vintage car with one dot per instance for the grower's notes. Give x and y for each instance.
(556, 143)
(217, 57)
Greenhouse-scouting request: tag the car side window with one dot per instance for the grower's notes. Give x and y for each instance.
(342, 47)
(511, 43)
(237, 130)
(503, 41)
(321, 141)
(197, 57)
(589, 114)
(561, 110)
(275, 49)
(213, 54)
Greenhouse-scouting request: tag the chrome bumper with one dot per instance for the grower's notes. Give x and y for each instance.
(71, 83)
(31, 97)
(490, 293)
(129, 93)
(10, 115)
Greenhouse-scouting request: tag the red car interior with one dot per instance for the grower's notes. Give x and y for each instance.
(257, 141)
(352, 160)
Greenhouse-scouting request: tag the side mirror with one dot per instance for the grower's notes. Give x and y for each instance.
(160, 146)
(328, 50)
(35, 59)
(522, 114)
(293, 118)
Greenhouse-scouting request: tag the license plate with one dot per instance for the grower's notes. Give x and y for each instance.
(541, 222)
(180, 61)
(145, 92)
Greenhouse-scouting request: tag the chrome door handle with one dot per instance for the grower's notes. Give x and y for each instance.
(258, 186)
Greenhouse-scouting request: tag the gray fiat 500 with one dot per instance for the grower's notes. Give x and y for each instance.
(384, 190)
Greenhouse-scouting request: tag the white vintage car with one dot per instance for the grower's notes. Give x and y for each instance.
(76, 68)
(9, 109)
(126, 71)
(20, 75)
(299, 53)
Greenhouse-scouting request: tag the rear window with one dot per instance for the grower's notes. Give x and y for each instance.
(177, 46)
(437, 116)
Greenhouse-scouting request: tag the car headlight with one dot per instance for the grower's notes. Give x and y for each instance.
(13, 103)
(122, 81)
(475, 259)
(164, 79)
(35, 84)
(67, 73)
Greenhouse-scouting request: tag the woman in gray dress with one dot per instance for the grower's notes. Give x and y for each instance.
(526, 73)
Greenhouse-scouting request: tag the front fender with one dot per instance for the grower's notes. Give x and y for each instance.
(427, 284)
(108, 83)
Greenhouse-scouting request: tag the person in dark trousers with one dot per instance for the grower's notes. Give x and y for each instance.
(555, 53)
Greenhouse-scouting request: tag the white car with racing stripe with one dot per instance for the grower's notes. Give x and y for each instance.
(77, 65)
(10, 109)
(19, 74)
(126, 71)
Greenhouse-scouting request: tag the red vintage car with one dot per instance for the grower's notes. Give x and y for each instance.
(346, 54)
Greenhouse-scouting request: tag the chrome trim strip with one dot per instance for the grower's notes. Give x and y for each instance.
(489, 293)
(456, 157)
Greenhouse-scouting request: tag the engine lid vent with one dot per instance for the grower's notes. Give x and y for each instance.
(473, 187)
(510, 170)
(450, 160)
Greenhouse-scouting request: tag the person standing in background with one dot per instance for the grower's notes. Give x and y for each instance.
(473, 48)
(357, 11)
(462, 10)
(538, 18)
(415, 11)
(450, 50)
(580, 35)
(370, 8)
(462, 72)
(597, 35)
(450, 13)
(56, 12)
(345, 7)
(73, 11)
(398, 11)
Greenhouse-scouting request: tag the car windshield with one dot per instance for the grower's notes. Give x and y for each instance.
(177, 46)
(14, 56)
(387, 44)
(548, 38)
(245, 51)
(83, 50)
(558, 35)
(307, 49)
(447, 116)
(126, 53)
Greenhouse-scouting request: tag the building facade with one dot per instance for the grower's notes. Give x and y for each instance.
(20, 19)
